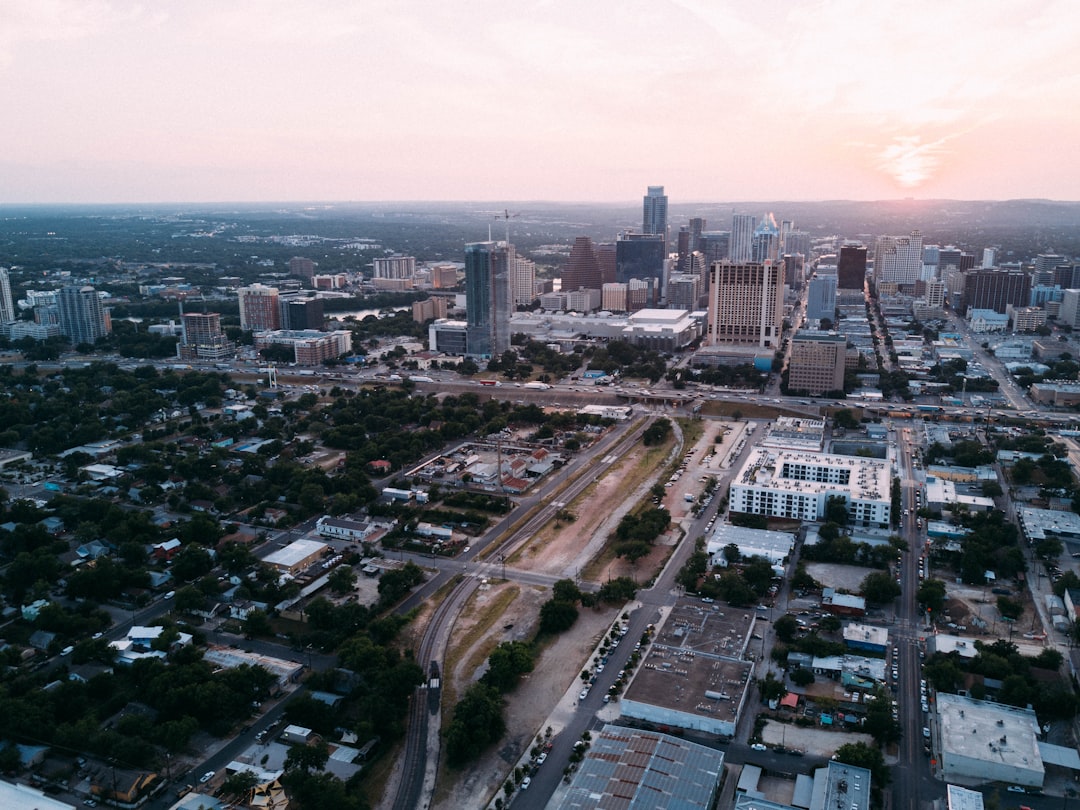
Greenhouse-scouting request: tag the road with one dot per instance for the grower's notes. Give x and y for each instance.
(913, 782)
(423, 742)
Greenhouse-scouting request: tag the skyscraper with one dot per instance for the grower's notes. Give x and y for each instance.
(299, 266)
(487, 297)
(654, 216)
(301, 313)
(996, 289)
(582, 270)
(898, 259)
(203, 338)
(7, 304)
(259, 311)
(523, 281)
(821, 298)
(851, 267)
(766, 240)
(396, 266)
(817, 362)
(746, 303)
(741, 245)
(640, 256)
(82, 317)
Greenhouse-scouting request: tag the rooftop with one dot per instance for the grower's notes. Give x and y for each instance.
(628, 769)
(990, 732)
(695, 663)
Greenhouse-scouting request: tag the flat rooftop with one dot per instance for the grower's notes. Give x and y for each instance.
(695, 662)
(294, 553)
(629, 769)
(991, 732)
(867, 479)
(1038, 524)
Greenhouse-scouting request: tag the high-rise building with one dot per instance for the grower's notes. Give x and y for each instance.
(821, 298)
(715, 245)
(640, 256)
(259, 310)
(1048, 261)
(7, 304)
(741, 244)
(682, 247)
(996, 289)
(203, 338)
(898, 259)
(989, 258)
(683, 291)
(299, 266)
(82, 316)
(1067, 276)
(607, 258)
(523, 281)
(816, 365)
(1069, 312)
(394, 267)
(766, 240)
(654, 213)
(444, 276)
(301, 313)
(1043, 276)
(487, 297)
(582, 270)
(797, 242)
(746, 303)
(851, 267)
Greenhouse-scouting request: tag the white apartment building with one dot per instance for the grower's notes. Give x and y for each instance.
(798, 485)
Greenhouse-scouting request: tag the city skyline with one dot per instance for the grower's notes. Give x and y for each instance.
(116, 101)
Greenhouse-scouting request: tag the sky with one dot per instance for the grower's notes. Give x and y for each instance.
(562, 100)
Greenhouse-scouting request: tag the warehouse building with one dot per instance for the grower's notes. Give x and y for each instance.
(630, 768)
(297, 556)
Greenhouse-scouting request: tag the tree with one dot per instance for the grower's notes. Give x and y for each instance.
(239, 783)
(342, 579)
(507, 663)
(1009, 608)
(771, 688)
(566, 590)
(307, 757)
(878, 587)
(844, 418)
(557, 616)
(931, 595)
(657, 432)
(802, 676)
(786, 627)
(476, 724)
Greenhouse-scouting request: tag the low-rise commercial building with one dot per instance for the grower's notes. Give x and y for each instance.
(296, 556)
(694, 675)
(629, 768)
(990, 742)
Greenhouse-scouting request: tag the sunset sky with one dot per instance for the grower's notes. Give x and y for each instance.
(590, 100)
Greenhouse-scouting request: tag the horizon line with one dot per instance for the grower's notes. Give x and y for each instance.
(541, 201)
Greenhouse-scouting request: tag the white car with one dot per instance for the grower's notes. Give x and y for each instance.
(584, 694)
(206, 777)
(526, 782)
(759, 747)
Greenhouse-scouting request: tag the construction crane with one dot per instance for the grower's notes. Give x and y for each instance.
(506, 215)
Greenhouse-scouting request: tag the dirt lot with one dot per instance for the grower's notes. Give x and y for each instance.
(561, 549)
(818, 741)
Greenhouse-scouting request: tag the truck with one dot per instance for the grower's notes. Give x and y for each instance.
(490, 382)
(536, 386)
